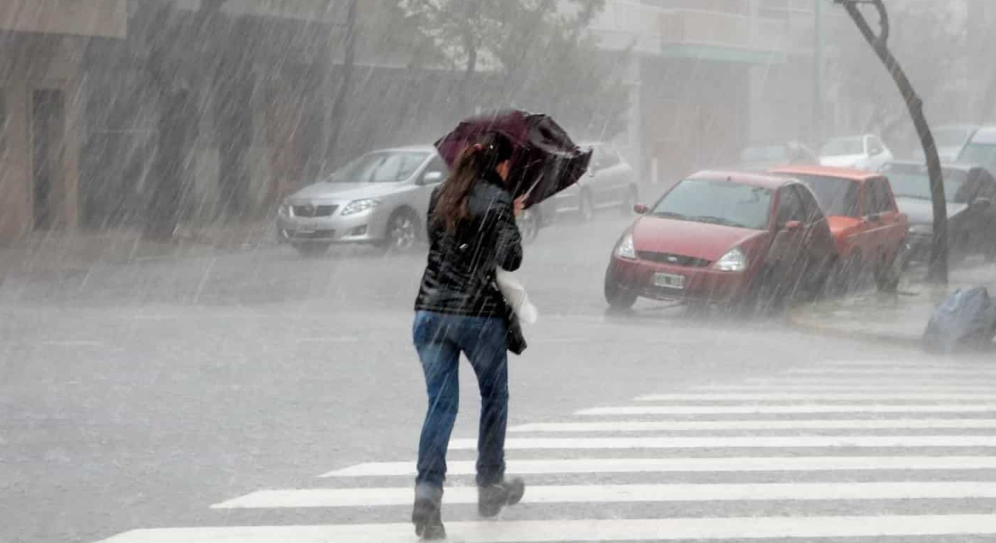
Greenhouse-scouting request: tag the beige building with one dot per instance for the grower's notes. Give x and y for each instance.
(41, 44)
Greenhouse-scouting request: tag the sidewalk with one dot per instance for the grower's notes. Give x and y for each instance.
(59, 253)
(897, 319)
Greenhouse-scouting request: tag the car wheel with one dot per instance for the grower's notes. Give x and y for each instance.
(402, 232)
(632, 197)
(618, 297)
(529, 225)
(311, 250)
(586, 209)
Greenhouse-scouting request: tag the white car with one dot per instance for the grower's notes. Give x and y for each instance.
(610, 182)
(865, 152)
(950, 140)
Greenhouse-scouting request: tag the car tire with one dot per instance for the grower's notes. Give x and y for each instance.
(586, 208)
(617, 296)
(889, 272)
(312, 250)
(402, 232)
(850, 274)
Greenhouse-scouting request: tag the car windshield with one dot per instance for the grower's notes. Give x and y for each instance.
(380, 167)
(716, 201)
(983, 154)
(950, 137)
(912, 181)
(771, 152)
(836, 195)
(843, 146)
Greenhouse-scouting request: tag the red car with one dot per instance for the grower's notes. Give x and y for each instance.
(868, 228)
(725, 238)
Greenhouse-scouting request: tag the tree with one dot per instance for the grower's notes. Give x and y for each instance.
(862, 80)
(938, 267)
(533, 54)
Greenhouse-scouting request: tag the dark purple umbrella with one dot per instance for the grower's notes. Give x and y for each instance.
(545, 160)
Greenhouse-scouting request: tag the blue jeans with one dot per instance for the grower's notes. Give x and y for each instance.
(439, 339)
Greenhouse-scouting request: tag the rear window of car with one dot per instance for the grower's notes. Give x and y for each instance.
(836, 195)
(843, 146)
(912, 181)
(983, 154)
(717, 201)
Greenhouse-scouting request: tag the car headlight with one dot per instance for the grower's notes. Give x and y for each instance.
(626, 249)
(285, 209)
(733, 261)
(359, 206)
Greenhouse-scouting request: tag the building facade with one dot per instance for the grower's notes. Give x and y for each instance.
(41, 113)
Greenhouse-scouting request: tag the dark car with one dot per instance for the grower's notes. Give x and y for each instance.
(969, 191)
(729, 238)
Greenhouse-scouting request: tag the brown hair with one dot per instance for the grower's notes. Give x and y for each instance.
(475, 162)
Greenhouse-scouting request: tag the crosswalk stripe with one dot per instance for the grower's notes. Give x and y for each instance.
(716, 529)
(786, 409)
(847, 387)
(736, 442)
(953, 372)
(689, 465)
(890, 380)
(801, 396)
(693, 425)
(379, 497)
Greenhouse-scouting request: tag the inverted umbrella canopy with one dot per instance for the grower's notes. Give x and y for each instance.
(545, 160)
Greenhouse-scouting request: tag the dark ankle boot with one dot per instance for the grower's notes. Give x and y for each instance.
(426, 514)
(492, 498)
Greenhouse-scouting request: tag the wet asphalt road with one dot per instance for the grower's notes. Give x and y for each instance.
(136, 396)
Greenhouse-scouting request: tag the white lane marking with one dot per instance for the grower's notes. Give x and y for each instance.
(344, 339)
(81, 343)
(736, 442)
(849, 387)
(541, 531)
(691, 465)
(379, 497)
(785, 409)
(888, 380)
(694, 425)
(946, 372)
(800, 396)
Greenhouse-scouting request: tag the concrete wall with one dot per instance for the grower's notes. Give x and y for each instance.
(107, 18)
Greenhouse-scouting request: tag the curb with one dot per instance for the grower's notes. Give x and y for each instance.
(893, 340)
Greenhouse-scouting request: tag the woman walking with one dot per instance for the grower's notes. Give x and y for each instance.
(459, 309)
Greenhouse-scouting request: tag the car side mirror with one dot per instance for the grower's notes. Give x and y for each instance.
(792, 226)
(874, 217)
(431, 177)
(641, 209)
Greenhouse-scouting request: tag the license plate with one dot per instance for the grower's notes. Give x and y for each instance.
(668, 280)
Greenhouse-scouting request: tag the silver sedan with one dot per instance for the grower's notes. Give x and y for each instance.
(379, 199)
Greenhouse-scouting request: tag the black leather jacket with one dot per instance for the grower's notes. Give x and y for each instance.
(459, 278)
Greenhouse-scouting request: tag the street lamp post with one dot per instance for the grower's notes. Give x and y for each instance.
(938, 267)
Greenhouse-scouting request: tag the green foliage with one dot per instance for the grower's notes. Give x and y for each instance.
(531, 54)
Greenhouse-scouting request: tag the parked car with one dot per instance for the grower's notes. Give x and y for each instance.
(729, 238)
(610, 182)
(759, 158)
(950, 140)
(981, 149)
(380, 199)
(867, 226)
(865, 152)
(970, 192)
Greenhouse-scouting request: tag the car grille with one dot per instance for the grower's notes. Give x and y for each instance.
(675, 260)
(318, 234)
(310, 211)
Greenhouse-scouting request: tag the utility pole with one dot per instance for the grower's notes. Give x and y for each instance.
(819, 72)
(938, 268)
